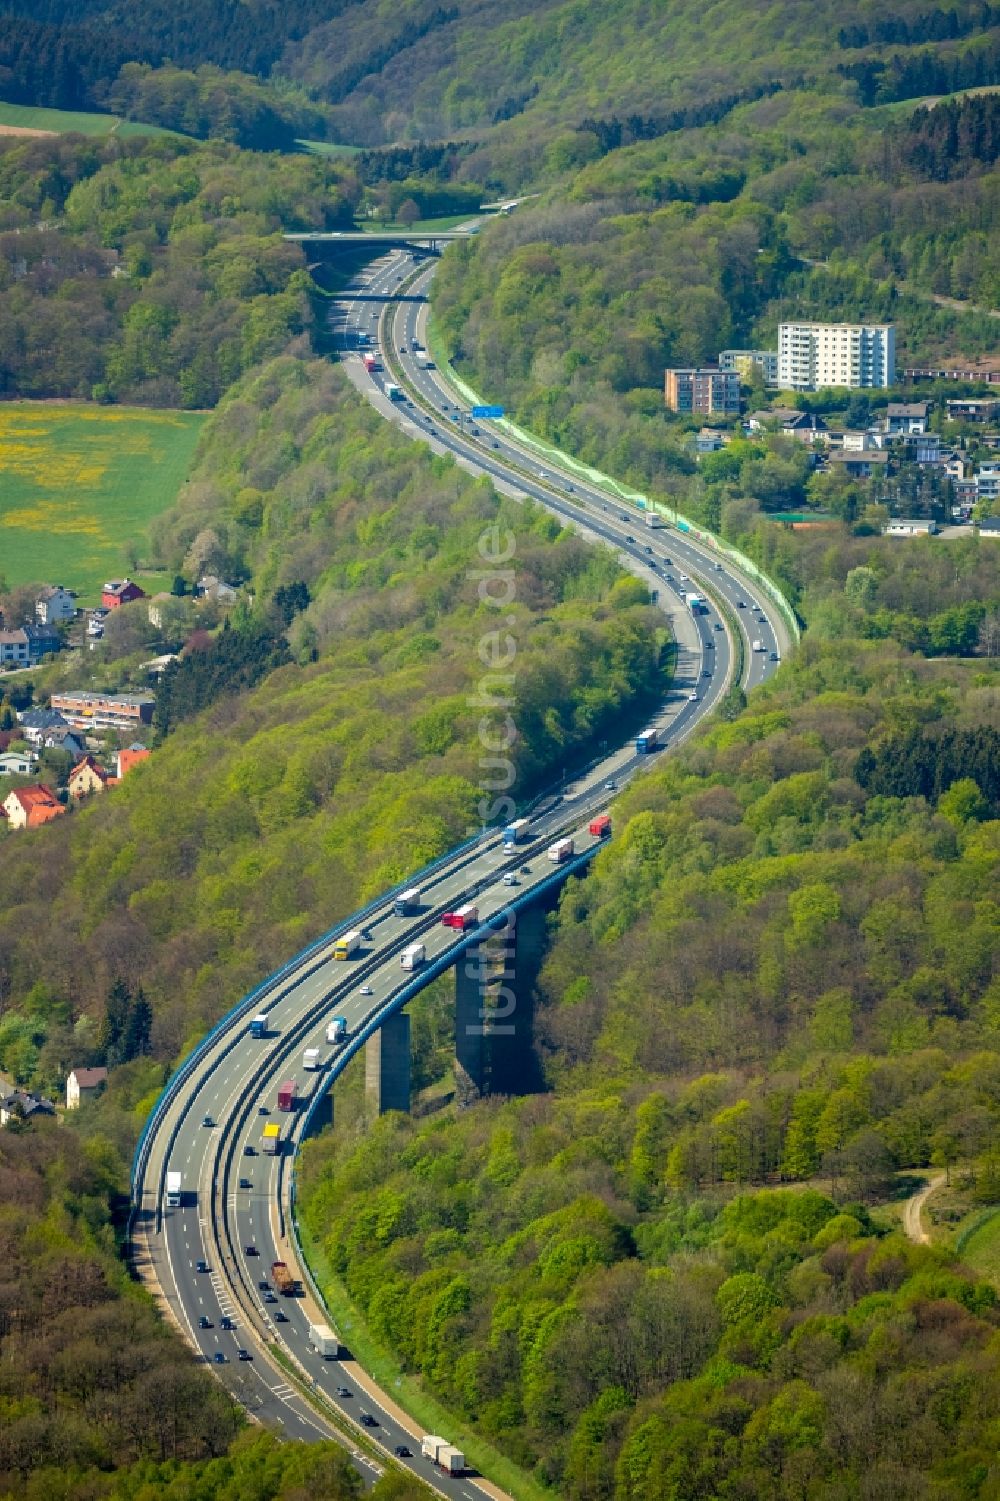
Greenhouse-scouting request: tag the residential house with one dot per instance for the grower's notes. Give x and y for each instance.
(42, 639)
(703, 392)
(989, 526)
(923, 448)
(104, 711)
(988, 482)
(790, 421)
(37, 724)
(901, 526)
(210, 586)
(87, 777)
(861, 465)
(976, 409)
(65, 740)
(118, 592)
(708, 440)
(24, 1105)
(55, 605)
(16, 764)
(95, 623)
(906, 417)
(850, 440)
(30, 807)
(15, 650)
(84, 1084)
(154, 609)
(131, 757)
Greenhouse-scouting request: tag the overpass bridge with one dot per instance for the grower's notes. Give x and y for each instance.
(429, 242)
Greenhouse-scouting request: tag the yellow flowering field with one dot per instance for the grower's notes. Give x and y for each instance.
(80, 484)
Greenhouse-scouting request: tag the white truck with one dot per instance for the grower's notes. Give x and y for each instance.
(653, 519)
(560, 851)
(392, 391)
(172, 1198)
(759, 646)
(324, 1341)
(310, 1059)
(413, 956)
(451, 1460)
(444, 1455)
(336, 1030)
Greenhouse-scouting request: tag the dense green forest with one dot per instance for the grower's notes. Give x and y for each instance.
(153, 271)
(277, 810)
(98, 1399)
(781, 971)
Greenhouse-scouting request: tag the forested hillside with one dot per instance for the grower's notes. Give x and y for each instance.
(782, 971)
(260, 822)
(152, 271)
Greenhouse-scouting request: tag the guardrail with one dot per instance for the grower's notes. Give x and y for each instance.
(254, 997)
(620, 492)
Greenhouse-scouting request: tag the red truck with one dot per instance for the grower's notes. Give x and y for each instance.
(464, 917)
(370, 362)
(283, 1279)
(286, 1095)
(600, 827)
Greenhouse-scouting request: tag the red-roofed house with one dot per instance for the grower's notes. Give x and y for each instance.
(30, 807)
(120, 592)
(131, 757)
(87, 777)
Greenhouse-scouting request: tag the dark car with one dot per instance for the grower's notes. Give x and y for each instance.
(774, 656)
(622, 516)
(367, 1419)
(263, 1110)
(248, 1150)
(402, 348)
(201, 1266)
(250, 1250)
(280, 1318)
(219, 1358)
(245, 1183)
(243, 1355)
(207, 1121)
(226, 1322)
(718, 625)
(669, 562)
(204, 1322)
(629, 537)
(402, 1452)
(741, 604)
(344, 1391)
(264, 1285)
(269, 1298)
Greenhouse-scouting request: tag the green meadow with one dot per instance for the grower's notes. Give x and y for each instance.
(80, 484)
(61, 121)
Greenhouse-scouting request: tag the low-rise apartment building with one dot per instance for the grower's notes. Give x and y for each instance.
(104, 711)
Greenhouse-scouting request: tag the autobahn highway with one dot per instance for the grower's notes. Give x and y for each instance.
(234, 1219)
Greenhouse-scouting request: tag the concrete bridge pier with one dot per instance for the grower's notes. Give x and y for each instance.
(387, 1065)
(494, 1007)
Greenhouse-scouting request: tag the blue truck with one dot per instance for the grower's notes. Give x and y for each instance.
(648, 741)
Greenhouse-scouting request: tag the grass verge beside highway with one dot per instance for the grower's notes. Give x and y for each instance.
(406, 1390)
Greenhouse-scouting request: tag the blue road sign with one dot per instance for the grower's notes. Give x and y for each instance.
(486, 412)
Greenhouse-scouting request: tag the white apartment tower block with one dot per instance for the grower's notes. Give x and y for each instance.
(814, 355)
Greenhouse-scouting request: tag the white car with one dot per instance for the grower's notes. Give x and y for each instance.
(693, 696)
(365, 990)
